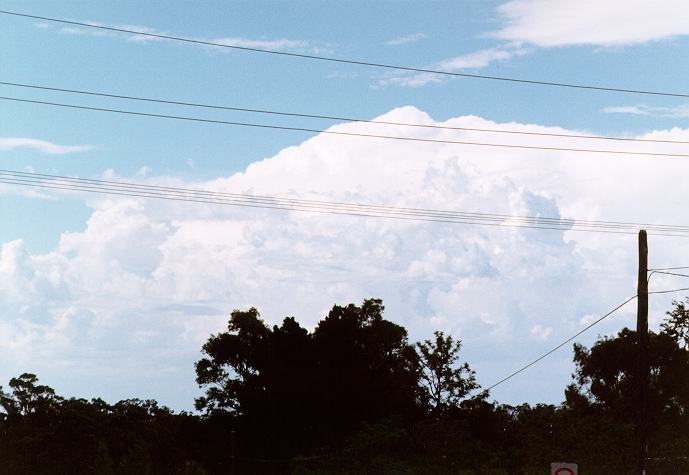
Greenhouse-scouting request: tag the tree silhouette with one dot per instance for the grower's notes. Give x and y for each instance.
(365, 367)
(28, 397)
(354, 396)
(605, 389)
(234, 367)
(291, 388)
(677, 323)
(606, 375)
(444, 383)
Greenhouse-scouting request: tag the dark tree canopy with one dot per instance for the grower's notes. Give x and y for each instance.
(606, 375)
(366, 368)
(27, 397)
(234, 369)
(354, 396)
(444, 382)
(677, 323)
(42, 433)
(354, 367)
(605, 389)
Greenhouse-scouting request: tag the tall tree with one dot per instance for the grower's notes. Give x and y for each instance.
(28, 397)
(677, 322)
(232, 370)
(291, 387)
(606, 375)
(366, 368)
(605, 388)
(444, 381)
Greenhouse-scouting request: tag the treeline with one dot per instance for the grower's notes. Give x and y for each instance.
(355, 396)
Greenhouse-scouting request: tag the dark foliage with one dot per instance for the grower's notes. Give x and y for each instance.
(443, 383)
(292, 390)
(677, 323)
(44, 433)
(354, 396)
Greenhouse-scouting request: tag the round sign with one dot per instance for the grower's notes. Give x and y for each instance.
(564, 471)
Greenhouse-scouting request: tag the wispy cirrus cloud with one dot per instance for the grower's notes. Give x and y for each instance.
(280, 44)
(471, 61)
(403, 40)
(11, 143)
(676, 112)
(85, 31)
(531, 24)
(481, 59)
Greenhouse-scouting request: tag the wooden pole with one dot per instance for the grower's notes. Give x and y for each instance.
(233, 448)
(642, 341)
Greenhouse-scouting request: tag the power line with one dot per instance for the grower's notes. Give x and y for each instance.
(334, 117)
(359, 214)
(144, 194)
(652, 272)
(565, 222)
(548, 353)
(347, 134)
(351, 61)
(669, 291)
(670, 273)
(350, 209)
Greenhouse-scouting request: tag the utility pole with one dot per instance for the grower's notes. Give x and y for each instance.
(233, 444)
(642, 341)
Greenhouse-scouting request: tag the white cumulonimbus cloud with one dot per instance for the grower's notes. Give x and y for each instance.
(123, 306)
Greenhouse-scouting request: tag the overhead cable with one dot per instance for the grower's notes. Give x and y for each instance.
(565, 222)
(683, 289)
(669, 273)
(336, 117)
(348, 61)
(548, 353)
(350, 209)
(348, 134)
(553, 350)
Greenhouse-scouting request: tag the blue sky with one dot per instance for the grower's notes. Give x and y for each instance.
(63, 254)
(423, 34)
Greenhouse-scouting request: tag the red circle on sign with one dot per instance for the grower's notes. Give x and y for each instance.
(564, 471)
